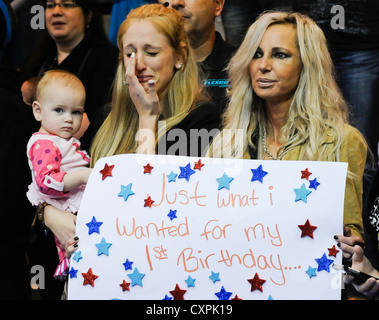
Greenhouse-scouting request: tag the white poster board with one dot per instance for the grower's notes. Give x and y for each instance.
(216, 229)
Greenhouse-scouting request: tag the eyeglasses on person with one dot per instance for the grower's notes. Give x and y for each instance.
(63, 5)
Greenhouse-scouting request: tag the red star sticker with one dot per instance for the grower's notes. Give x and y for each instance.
(147, 168)
(305, 174)
(307, 229)
(89, 277)
(178, 293)
(256, 283)
(107, 171)
(236, 298)
(198, 165)
(125, 285)
(333, 251)
(148, 202)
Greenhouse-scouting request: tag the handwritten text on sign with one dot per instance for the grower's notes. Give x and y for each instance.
(183, 228)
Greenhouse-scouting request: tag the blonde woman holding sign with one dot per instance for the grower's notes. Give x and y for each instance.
(286, 103)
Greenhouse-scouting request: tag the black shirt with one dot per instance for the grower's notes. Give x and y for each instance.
(191, 137)
(215, 77)
(17, 125)
(360, 19)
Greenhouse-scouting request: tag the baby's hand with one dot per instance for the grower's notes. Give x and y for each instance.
(75, 179)
(87, 173)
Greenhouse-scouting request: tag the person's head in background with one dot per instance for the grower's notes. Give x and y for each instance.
(199, 21)
(69, 21)
(59, 104)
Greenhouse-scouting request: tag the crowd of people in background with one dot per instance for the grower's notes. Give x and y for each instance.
(299, 87)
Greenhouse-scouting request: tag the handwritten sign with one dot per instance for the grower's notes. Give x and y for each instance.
(165, 227)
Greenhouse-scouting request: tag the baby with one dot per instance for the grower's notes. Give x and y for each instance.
(59, 167)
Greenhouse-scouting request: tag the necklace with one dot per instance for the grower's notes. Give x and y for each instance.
(270, 155)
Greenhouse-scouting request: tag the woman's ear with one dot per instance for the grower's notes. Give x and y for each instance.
(182, 56)
(37, 110)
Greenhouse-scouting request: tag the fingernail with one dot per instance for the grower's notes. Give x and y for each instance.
(335, 237)
(133, 54)
(339, 244)
(151, 82)
(76, 238)
(75, 245)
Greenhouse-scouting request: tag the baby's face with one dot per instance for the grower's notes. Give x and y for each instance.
(62, 110)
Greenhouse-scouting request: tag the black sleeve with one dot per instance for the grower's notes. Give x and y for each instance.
(192, 136)
(98, 77)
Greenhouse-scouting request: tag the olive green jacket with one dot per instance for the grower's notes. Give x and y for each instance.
(354, 152)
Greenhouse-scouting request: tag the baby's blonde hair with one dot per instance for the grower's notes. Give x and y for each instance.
(63, 77)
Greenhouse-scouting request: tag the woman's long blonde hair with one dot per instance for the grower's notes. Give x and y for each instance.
(117, 135)
(317, 108)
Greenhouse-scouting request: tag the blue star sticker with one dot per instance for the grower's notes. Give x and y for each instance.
(93, 226)
(172, 214)
(73, 273)
(223, 294)
(190, 282)
(136, 277)
(215, 276)
(302, 193)
(128, 264)
(186, 172)
(224, 182)
(77, 256)
(126, 191)
(172, 177)
(324, 263)
(314, 184)
(103, 247)
(166, 297)
(311, 272)
(258, 174)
